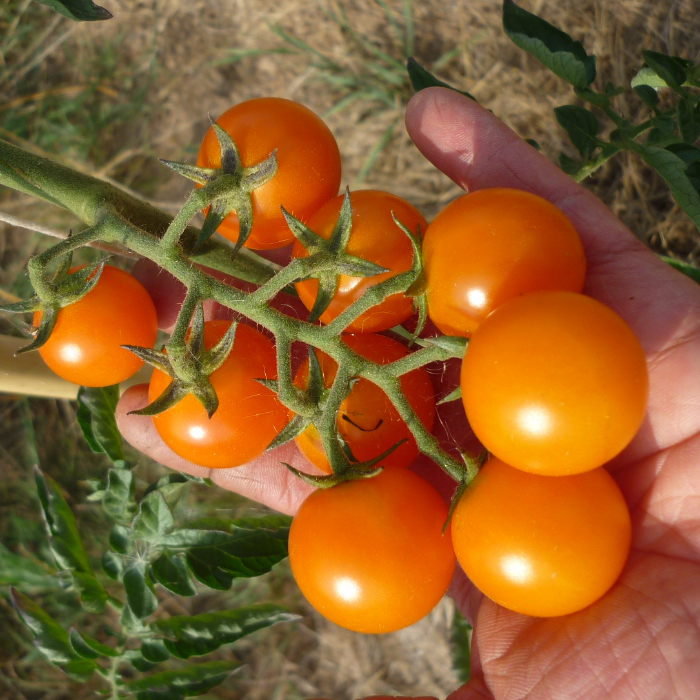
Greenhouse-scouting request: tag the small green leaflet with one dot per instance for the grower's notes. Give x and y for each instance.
(553, 47)
(79, 10)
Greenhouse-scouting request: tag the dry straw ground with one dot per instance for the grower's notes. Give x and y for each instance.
(181, 59)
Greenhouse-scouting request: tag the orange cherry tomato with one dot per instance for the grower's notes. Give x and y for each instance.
(375, 237)
(371, 555)
(492, 245)
(541, 545)
(367, 421)
(308, 164)
(554, 383)
(249, 415)
(84, 346)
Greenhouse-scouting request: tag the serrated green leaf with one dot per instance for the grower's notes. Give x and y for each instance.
(29, 576)
(96, 407)
(170, 570)
(135, 658)
(119, 500)
(422, 78)
(89, 648)
(79, 10)
(581, 125)
(49, 637)
(671, 69)
(647, 95)
(647, 77)
(672, 169)
(189, 681)
(139, 590)
(684, 267)
(154, 650)
(80, 669)
(216, 557)
(170, 483)
(112, 565)
(553, 47)
(91, 591)
(154, 518)
(568, 164)
(460, 647)
(66, 545)
(688, 120)
(120, 538)
(196, 635)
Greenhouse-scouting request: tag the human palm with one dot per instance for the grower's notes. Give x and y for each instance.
(642, 640)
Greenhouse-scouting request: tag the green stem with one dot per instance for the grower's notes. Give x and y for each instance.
(327, 425)
(89, 199)
(372, 297)
(128, 221)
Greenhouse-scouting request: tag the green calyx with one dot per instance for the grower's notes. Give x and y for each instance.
(226, 189)
(51, 295)
(189, 364)
(329, 258)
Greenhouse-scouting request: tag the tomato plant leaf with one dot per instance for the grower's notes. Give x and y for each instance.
(196, 635)
(460, 647)
(154, 518)
(119, 501)
(173, 481)
(120, 538)
(27, 575)
(672, 70)
(553, 47)
(581, 125)
(672, 169)
(139, 590)
(96, 408)
(688, 119)
(216, 557)
(154, 650)
(170, 571)
(66, 545)
(87, 647)
(194, 679)
(79, 10)
(80, 669)
(135, 658)
(647, 95)
(113, 565)
(49, 637)
(422, 78)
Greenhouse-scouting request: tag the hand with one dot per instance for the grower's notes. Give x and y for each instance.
(642, 640)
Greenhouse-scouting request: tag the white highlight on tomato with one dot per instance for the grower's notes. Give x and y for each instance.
(517, 569)
(71, 353)
(535, 420)
(347, 589)
(197, 432)
(477, 298)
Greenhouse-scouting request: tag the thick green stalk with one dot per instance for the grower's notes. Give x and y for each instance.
(88, 198)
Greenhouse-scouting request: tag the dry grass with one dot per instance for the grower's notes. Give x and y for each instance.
(176, 54)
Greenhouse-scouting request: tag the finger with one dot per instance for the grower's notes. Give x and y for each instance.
(265, 480)
(477, 150)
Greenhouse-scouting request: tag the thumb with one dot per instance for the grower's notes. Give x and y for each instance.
(474, 690)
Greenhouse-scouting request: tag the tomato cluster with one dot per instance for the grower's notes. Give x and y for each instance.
(553, 384)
